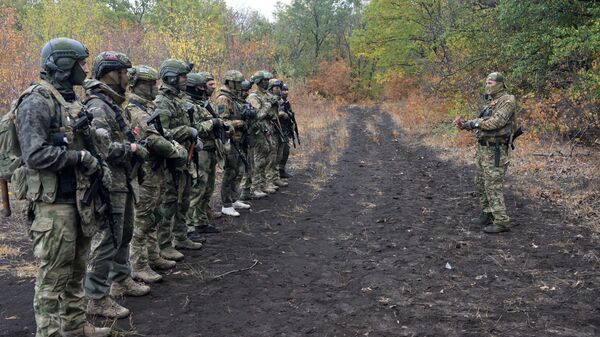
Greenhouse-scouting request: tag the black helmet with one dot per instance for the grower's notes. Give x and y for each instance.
(284, 87)
(246, 85)
(108, 61)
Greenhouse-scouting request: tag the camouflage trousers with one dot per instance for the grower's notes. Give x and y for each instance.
(109, 264)
(246, 184)
(261, 150)
(233, 172)
(144, 245)
(173, 212)
(203, 187)
(61, 251)
(490, 182)
(273, 168)
(283, 155)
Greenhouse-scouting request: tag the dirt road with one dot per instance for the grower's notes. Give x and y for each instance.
(386, 247)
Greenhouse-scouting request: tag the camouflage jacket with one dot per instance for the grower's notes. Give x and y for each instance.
(498, 118)
(229, 107)
(174, 114)
(262, 101)
(114, 147)
(202, 121)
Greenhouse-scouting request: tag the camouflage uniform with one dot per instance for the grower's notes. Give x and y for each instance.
(279, 138)
(62, 228)
(204, 163)
(261, 140)
(287, 126)
(229, 107)
(494, 129)
(107, 263)
(144, 246)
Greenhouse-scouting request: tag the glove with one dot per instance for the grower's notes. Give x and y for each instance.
(194, 132)
(470, 125)
(88, 162)
(217, 122)
(106, 175)
(459, 122)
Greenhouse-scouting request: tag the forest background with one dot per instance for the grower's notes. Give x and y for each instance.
(422, 61)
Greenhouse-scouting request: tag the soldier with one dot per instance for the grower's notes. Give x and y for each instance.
(260, 134)
(279, 137)
(175, 118)
(288, 125)
(108, 269)
(246, 146)
(55, 157)
(145, 253)
(205, 160)
(229, 107)
(494, 128)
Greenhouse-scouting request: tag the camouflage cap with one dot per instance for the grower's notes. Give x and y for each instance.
(495, 76)
(108, 61)
(142, 73)
(195, 79)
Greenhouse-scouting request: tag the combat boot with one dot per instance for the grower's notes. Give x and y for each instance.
(106, 307)
(257, 194)
(187, 244)
(230, 211)
(271, 186)
(208, 228)
(171, 253)
(245, 195)
(158, 263)
(269, 190)
(280, 183)
(128, 287)
(146, 274)
(88, 330)
(485, 219)
(283, 174)
(496, 228)
(240, 205)
(212, 214)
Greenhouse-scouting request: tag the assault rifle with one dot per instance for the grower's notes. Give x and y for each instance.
(287, 108)
(82, 127)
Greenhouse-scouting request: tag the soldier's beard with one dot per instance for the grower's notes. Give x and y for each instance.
(494, 89)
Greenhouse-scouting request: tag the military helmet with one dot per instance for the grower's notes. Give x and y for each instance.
(284, 87)
(208, 76)
(246, 85)
(62, 53)
(174, 68)
(495, 76)
(261, 75)
(108, 61)
(275, 83)
(233, 75)
(141, 73)
(195, 79)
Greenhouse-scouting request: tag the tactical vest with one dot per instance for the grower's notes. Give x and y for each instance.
(504, 132)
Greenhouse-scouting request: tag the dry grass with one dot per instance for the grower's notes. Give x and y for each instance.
(564, 174)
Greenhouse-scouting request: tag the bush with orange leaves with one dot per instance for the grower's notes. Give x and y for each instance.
(334, 80)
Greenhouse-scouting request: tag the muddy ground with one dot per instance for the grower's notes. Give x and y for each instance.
(385, 247)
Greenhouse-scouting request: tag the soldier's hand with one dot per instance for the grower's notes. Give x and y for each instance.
(88, 163)
(141, 152)
(106, 175)
(193, 132)
(459, 122)
(217, 122)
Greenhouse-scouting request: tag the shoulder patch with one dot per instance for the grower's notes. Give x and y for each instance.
(221, 109)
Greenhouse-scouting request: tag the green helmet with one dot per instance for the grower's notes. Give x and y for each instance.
(496, 76)
(208, 76)
(62, 53)
(260, 75)
(233, 76)
(108, 61)
(246, 85)
(275, 83)
(141, 73)
(195, 79)
(174, 68)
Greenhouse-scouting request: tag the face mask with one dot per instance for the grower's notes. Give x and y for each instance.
(264, 84)
(276, 91)
(147, 90)
(77, 75)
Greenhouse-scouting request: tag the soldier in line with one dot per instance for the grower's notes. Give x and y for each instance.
(279, 136)
(175, 118)
(287, 121)
(494, 128)
(108, 268)
(246, 146)
(261, 140)
(204, 161)
(145, 252)
(55, 156)
(229, 106)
